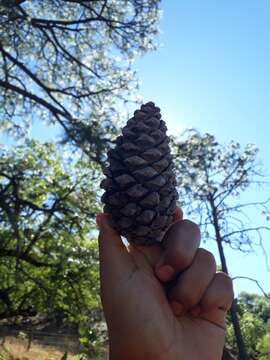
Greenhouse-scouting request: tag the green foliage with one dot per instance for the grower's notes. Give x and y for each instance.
(70, 63)
(253, 311)
(48, 261)
(253, 329)
(257, 305)
(211, 178)
(93, 339)
(79, 357)
(263, 347)
(212, 166)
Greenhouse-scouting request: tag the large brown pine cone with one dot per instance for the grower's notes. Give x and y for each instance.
(140, 191)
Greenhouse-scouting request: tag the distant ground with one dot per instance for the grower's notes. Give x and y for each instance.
(16, 349)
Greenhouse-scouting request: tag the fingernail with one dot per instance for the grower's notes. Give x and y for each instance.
(177, 308)
(102, 219)
(195, 311)
(99, 219)
(165, 272)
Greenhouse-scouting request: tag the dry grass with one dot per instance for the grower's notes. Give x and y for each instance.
(16, 349)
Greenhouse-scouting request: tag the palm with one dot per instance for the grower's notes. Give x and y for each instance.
(138, 307)
(185, 337)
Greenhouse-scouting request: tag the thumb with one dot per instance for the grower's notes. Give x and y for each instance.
(115, 260)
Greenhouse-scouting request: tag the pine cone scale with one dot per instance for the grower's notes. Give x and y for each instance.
(139, 187)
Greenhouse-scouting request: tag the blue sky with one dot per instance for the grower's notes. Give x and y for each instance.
(212, 72)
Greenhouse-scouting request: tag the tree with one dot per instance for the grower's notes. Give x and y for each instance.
(258, 305)
(211, 177)
(253, 330)
(47, 209)
(254, 316)
(69, 62)
(263, 347)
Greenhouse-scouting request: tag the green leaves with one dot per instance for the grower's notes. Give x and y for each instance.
(69, 62)
(254, 317)
(211, 177)
(47, 260)
(209, 167)
(263, 347)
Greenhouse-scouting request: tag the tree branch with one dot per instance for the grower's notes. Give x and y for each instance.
(239, 206)
(32, 76)
(255, 281)
(24, 257)
(258, 228)
(35, 98)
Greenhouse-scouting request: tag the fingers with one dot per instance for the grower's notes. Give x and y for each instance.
(212, 305)
(219, 294)
(114, 257)
(152, 253)
(216, 300)
(180, 245)
(115, 254)
(192, 283)
(196, 287)
(178, 214)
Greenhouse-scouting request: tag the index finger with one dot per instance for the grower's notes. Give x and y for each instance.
(180, 244)
(153, 253)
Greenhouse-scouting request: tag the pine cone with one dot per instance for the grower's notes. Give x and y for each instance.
(140, 191)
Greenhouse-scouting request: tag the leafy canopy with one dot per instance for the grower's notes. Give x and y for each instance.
(70, 63)
(211, 177)
(47, 207)
(254, 317)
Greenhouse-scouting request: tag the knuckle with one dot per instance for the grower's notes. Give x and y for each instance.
(191, 226)
(206, 257)
(180, 243)
(226, 282)
(207, 303)
(181, 259)
(187, 298)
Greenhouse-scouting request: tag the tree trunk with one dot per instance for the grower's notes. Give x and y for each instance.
(233, 311)
(227, 355)
(237, 332)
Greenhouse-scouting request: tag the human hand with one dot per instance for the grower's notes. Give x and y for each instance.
(162, 301)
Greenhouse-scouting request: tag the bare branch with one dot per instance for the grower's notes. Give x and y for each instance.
(255, 281)
(258, 228)
(35, 98)
(226, 193)
(240, 206)
(71, 57)
(33, 77)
